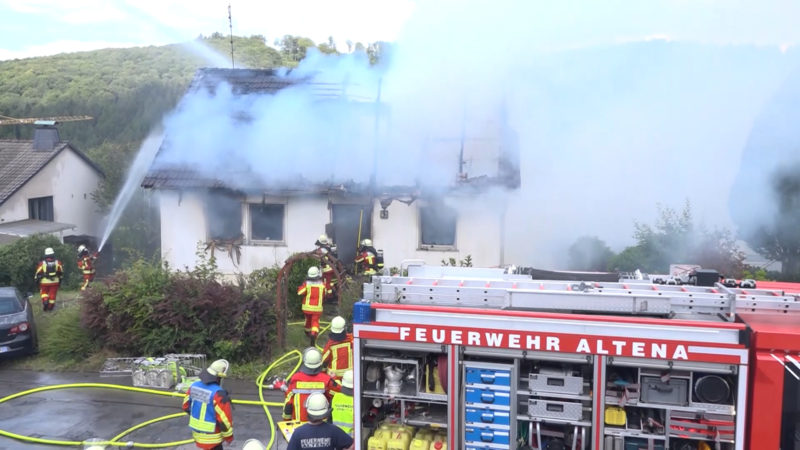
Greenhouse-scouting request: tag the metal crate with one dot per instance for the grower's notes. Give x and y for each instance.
(166, 371)
(555, 409)
(555, 382)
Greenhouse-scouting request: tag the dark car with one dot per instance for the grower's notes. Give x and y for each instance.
(17, 329)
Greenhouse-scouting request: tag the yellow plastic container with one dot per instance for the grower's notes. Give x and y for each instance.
(399, 441)
(439, 443)
(420, 444)
(376, 443)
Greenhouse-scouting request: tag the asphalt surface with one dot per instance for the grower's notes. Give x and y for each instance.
(84, 413)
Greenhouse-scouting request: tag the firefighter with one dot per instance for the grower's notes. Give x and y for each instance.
(86, 264)
(319, 434)
(312, 291)
(368, 258)
(327, 250)
(342, 405)
(48, 274)
(338, 352)
(209, 408)
(310, 378)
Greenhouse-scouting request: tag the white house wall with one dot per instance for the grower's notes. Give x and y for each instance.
(478, 234)
(71, 182)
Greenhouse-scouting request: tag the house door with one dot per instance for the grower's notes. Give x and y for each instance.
(345, 229)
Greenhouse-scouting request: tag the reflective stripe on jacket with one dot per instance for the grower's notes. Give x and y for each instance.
(338, 356)
(202, 414)
(86, 264)
(301, 385)
(314, 292)
(342, 411)
(49, 271)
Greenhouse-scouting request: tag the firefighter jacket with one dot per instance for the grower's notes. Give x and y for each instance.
(368, 259)
(337, 355)
(49, 271)
(300, 386)
(86, 264)
(312, 291)
(342, 410)
(210, 415)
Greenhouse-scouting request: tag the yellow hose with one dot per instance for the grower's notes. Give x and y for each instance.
(115, 440)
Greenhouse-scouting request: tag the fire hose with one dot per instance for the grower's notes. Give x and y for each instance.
(116, 440)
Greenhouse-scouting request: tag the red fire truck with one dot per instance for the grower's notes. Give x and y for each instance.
(468, 358)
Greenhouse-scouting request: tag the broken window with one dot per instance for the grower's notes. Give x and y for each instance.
(41, 208)
(224, 213)
(266, 221)
(437, 225)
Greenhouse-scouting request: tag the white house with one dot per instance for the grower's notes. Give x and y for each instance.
(253, 226)
(46, 186)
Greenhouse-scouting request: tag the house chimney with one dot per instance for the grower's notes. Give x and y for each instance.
(45, 135)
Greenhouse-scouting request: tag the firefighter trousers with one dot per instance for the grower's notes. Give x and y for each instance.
(48, 293)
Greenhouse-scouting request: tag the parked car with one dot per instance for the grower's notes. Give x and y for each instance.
(17, 328)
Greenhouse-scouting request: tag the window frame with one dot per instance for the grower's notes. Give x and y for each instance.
(436, 247)
(206, 212)
(37, 201)
(248, 223)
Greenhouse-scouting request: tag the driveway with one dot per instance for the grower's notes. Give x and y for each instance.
(80, 414)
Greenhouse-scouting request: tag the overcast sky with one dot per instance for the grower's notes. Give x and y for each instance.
(43, 27)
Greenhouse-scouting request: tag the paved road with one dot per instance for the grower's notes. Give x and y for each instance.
(79, 414)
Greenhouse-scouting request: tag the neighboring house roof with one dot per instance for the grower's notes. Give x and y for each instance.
(19, 162)
(11, 231)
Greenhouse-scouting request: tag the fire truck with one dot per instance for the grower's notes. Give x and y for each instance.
(479, 359)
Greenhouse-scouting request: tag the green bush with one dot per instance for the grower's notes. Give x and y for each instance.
(19, 259)
(150, 310)
(65, 338)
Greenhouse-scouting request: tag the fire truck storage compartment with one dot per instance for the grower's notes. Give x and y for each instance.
(402, 389)
(667, 412)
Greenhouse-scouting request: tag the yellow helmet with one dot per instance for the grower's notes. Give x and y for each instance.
(317, 406)
(253, 444)
(347, 379)
(313, 272)
(312, 358)
(337, 324)
(219, 368)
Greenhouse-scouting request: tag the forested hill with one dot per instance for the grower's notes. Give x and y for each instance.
(126, 90)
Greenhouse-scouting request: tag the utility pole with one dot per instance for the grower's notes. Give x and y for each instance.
(230, 25)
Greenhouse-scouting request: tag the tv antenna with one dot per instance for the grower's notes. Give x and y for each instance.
(230, 26)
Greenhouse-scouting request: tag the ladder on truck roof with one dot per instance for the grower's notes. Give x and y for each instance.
(491, 288)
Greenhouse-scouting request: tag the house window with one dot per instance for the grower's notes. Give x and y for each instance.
(437, 224)
(41, 208)
(266, 221)
(224, 214)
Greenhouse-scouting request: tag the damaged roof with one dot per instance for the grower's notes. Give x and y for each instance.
(19, 162)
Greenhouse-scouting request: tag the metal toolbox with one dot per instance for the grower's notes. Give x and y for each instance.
(673, 392)
(555, 381)
(486, 435)
(633, 443)
(487, 416)
(494, 377)
(555, 409)
(487, 396)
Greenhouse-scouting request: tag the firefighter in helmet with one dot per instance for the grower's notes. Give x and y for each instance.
(342, 405)
(312, 292)
(209, 408)
(309, 379)
(318, 433)
(337, 355)
(86, 264)
(48, 274)
(327, 251)
(368, 258)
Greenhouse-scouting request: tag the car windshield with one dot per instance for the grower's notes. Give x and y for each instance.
(9, 304)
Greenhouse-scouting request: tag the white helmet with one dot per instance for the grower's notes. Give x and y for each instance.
(323, 239)
(312, 358)
(219, 368)
(313, 272)
(81, 248)
(49, 251)
(253, 444)
(347, 379)
(337, 324)
(317, 406)
(366, 242)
